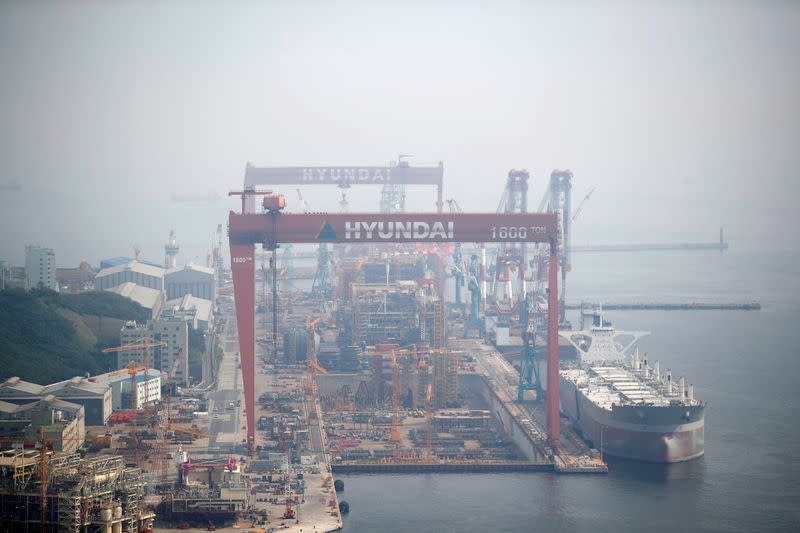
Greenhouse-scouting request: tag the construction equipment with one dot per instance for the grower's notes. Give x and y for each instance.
(529, 378)
(394, 436)
(42, 480)
(429, 419)
(458, 261)
(131, 369)
(186, 430)
(274, 228)
(512, 257)
(580, 206)
(143, 343)
(311, 352)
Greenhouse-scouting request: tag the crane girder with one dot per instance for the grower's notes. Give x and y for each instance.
(271, 229)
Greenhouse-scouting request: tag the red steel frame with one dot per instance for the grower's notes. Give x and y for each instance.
(270, 229)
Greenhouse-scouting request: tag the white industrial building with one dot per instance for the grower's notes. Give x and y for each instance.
(40, 268)
(134, 271)
(152, 299)
(147, 390)
(94, 397)
(192, 279)
(198, 312)
(172, 358)
(63, 424)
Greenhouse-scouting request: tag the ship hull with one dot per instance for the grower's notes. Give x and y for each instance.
(643, 433)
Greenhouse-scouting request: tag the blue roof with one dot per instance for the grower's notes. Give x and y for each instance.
(141, 378)
(121, 260)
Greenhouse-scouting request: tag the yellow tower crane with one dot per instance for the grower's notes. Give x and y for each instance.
(144, 344)
(394, 436)
(429, 417)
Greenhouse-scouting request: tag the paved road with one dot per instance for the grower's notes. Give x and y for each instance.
(225, 422)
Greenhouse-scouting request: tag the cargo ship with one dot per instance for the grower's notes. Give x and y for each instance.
(624, 405)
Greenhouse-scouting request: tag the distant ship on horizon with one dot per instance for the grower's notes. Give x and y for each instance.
(211, 197)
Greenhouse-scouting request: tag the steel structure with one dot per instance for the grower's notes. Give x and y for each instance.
(274, 227)
(558, 199)
(511, 258)
(528, 371)
(396, 176)
(71, 495)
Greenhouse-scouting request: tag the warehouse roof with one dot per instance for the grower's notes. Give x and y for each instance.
(203, 308)
(135, 266)
(121, 260)
(144, 296)
(15, 387)
(114, 377)
(48, 401)
(190, 270)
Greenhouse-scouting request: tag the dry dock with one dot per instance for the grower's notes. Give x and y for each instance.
(525, 422)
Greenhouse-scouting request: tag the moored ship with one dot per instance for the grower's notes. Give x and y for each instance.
(624, 405)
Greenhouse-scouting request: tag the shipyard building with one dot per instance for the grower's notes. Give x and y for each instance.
(94, 397)
(60, 423)
(134, 271)
(172, 358)
(192, 279)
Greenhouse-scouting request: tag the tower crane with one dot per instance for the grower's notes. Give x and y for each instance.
(142, 344)
(394, 436)
(429, 417)
(145, 344)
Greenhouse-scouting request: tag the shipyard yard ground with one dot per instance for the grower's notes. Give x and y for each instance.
(317, 509)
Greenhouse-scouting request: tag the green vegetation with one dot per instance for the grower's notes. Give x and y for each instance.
(197, 349)
(46, 336)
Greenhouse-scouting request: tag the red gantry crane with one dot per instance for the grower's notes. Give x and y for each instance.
(274, 227)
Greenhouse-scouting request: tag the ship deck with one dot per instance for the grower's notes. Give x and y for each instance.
(609, 385)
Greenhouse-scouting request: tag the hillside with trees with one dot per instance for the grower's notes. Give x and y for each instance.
(46, 336)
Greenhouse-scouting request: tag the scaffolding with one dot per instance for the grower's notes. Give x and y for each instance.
(438, 325)
(385, 313)
(97, 494)
(445, 378)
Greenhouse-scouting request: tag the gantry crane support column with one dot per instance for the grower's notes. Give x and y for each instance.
(271, 229)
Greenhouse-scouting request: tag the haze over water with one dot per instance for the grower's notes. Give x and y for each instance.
(683, 115)
(744, 364)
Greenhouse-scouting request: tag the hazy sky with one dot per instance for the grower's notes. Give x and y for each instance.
(684, 116)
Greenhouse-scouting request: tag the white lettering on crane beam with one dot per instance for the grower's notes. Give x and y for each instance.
(347, 174)
(398, 230)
